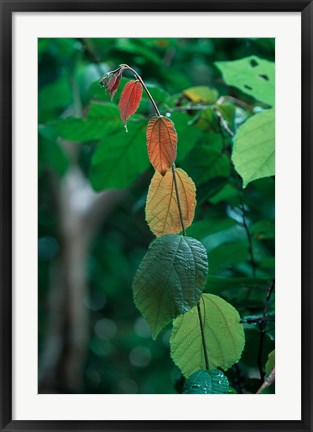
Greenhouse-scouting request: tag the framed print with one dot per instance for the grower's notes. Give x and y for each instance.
(156, 216)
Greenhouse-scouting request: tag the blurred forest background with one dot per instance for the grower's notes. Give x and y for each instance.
(91, 337)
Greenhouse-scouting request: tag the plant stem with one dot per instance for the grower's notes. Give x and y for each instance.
(178, 200)
(262, 331)
(223, 122)
(249, 237)
(206, 359)
(267, 382)
(205, 351)
(145, 88)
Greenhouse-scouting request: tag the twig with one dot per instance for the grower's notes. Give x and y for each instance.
(267, 382)
(186, 108)
(178, 200)
(249, 237)
(235, 101)
(255, 320)
(91, 55)
(263, 332)
(125, 66)
(223, 122)
(238, 378)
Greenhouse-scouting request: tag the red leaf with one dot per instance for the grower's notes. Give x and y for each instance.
(114, 83)
(130, 99)
(161, 143)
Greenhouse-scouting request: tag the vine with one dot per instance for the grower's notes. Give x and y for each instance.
(207, 336)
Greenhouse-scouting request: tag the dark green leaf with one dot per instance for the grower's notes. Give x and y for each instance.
(263, 230)
(52, 156)
(56, 95)
(228, 254)
(223, 283)
(188, 135)
(102, 119)
(170, 279)
(207, 382)
(120, 158)
(250, 354)
(204, 228)
(228, 193)
(204, 163)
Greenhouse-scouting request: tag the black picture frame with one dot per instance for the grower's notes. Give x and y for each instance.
(7, 9)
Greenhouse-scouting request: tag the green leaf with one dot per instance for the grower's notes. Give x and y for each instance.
(221, 284)
(223, 334)
(228, 193)
(188, 135)
(204, 228)
(204, 163)
(207, 382)
(56, 95)
(52, 156)
(270, 364)
(120, 158)
(159, 95)
(250, 355)
(228, 254)
(207, 120)
(102, 119)
(139, 48)
(170, 279)
(254, 147)
(263, 230)
(252, 75)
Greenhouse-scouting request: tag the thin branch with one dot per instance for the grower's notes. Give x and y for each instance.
(144, 86)
(263, 332)
(186, 108)
(223, 122)
(178, 200)
(249, 237)
(238, 378)
(235, 101)
(267, 382)
(91, 55)
(255, 320)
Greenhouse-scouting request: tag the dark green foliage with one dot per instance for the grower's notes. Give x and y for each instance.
(170, 279)
(82, 142)
(207, 382)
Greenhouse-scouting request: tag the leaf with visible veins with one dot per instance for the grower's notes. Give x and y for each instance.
(130, 99)
(161, 143)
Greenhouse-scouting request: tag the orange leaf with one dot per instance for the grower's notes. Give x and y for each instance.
(161, 143)
(162, 214)
(130, 99)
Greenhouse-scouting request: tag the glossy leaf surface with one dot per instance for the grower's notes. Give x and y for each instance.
(170, 279)
(207, 382)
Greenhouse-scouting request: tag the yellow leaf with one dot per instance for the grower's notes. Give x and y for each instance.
(201, 94)
(162, 213)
